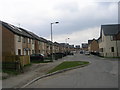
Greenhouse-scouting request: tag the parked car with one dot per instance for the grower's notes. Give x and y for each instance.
(81, 52)
(71, 53)
(87, 53)
(37, 57)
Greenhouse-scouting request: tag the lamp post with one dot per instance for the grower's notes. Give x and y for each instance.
(52, 38)
(67, 45)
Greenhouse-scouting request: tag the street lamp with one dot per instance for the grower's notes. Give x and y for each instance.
(66, 44)
(52, 38)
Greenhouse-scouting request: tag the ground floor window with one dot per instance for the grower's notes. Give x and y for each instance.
(101, 49)
(32, 51)
(112, 49)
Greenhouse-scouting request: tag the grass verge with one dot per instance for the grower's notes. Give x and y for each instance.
(68, 64)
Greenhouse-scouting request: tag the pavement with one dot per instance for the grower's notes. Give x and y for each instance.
(30, 73)
(101, 73)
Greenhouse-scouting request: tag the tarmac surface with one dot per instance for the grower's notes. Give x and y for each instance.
(101, 73)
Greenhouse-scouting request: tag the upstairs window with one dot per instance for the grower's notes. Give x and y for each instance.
(32, 41)
(19, 38)
(111, 38)
(29, 40)
(24, 40)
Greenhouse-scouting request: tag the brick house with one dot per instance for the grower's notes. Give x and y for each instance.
(56, 47)
(93, 45)
(40, 43)
(85, 46)
(15, 41)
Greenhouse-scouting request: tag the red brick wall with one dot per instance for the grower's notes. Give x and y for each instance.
(7, 43)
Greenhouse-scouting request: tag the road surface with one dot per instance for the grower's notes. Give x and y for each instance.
(101, 73)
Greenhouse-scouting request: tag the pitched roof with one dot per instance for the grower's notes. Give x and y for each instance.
(16, 30)
(90, 41)
(112, 29)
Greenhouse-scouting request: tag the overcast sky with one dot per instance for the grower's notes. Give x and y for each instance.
(79, 20)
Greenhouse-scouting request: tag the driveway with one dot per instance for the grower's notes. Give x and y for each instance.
(101, 73)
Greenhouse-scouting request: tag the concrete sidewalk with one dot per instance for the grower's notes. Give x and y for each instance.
(30, 73)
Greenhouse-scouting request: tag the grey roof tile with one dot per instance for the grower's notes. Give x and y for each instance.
(112, 29)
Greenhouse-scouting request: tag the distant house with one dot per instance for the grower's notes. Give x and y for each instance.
(56, 47)
(85, 46)
(93, 45)
(63, 47)
(72, 48)
(109, 41)
(77, 46)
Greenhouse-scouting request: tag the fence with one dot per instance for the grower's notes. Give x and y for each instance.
(15, 62)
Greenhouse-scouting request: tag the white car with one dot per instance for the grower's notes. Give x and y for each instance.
(87, 53)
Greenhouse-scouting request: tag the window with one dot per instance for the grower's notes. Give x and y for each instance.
(24, 40)
(32, 51)
(32, 41)
(101, 49)
(19, 38)
(19, 51)
(29, 40)
(112, 49)
(111, 38)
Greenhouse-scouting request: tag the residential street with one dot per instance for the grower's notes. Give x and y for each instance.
(30, 73)
(101, 73)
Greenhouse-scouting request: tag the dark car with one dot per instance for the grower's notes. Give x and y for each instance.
(34, 57)
(81, 52)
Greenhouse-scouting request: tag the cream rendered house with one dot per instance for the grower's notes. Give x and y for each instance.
(109, 43)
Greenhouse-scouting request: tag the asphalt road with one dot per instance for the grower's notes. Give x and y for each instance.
(101, 73)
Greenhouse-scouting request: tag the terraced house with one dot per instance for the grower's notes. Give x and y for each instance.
(109, 41)
(19, 41)
(15, 41)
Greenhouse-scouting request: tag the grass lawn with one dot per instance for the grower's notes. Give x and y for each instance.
(68, 64)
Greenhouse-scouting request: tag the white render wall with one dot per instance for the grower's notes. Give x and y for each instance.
(106, 44)
(18, 45)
